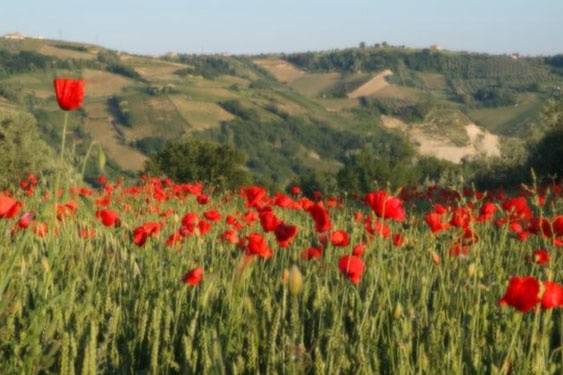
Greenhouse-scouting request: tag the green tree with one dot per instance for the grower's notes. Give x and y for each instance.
(23, 151)
(221, 166)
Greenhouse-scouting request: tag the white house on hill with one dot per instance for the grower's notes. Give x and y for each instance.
(15, 36)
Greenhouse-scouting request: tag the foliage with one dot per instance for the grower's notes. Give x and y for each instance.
(119, 108)
(196, 160)
(236, 108)
(150, 145)
(23, 152)
(209, 67)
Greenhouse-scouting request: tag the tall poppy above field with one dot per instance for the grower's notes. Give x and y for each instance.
(69, 92)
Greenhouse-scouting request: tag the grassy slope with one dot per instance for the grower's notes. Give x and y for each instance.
(188, 103)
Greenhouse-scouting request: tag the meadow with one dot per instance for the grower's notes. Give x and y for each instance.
(157, 277)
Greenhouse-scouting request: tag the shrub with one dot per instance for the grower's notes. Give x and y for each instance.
(23, 152)
(195, 160)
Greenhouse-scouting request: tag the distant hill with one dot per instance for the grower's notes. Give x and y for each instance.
(290, 113)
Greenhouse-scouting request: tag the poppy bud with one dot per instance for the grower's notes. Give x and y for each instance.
(295, 281)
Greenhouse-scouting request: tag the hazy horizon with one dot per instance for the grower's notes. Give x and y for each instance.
(254, 27)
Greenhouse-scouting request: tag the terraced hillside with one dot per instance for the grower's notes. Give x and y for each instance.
(289, 114)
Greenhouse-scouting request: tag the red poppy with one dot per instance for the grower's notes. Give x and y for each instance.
(230, 236)
(268, 220)
(320, 217)
(359, 249)
(340, 238)
(69, 92)
(108, 217)
(193, 277)
(541, 257)
(9, 207)
(461, 217)
(256, 244)
(285, 234)
(174, 238)
(25, 220)
(295, 190)
(352, 267)
(254, 195)
(522, 293)
(40, 229)
(487, 211)
(459, 250)
(212, 215)
(558, 225)
(202, 199)
(386, 206)
(203, 227)
(142, 233)
(552, 295)
(312, 253)
(377, 227)
(434, 221)
(518, 208)
(398, 239)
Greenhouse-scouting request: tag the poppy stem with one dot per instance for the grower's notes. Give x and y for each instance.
(86, 160)
(63, 141)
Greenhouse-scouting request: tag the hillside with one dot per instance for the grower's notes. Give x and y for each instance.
(289, 114)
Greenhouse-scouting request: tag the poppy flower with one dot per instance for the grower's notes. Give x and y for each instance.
(203, 227)
(377, 227)
(69, 92)
(398, 240)
(108, 218)
(518, 208)
(285, 233)
(256, 244)
(320, 217)
(385, 206)
(540, 257)
(522, 293)
(143, 232)
(212, 215)
(558, 225)
(434, 221)
(86, 233)
(340, 238)
(174, 238)
(9, 207)
(461, 217)
(202, 199)
(552, 295)
(312, 253)
(352, 267)
(193, 277)
(487, 211)
(230, 236)
(295, 190)
(459, 250)
(25, 220)
(254, 195)
(268, 220)
(359, 249)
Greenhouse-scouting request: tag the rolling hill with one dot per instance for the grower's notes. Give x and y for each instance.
(289, 113)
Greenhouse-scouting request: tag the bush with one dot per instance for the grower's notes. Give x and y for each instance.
(23, 152)
(195, 160)
(150, 145)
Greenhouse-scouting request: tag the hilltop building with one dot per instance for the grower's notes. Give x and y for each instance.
(436, 47)
(14, 36)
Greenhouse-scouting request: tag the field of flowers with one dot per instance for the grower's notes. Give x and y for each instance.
(172, 278)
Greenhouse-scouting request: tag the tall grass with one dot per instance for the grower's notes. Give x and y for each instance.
(104, 305)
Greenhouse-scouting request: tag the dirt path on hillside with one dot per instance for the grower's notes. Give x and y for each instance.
(377, 83)
(481, 142)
